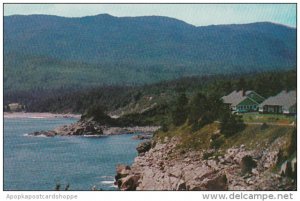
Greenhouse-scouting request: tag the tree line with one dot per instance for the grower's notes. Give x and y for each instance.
(78, 100)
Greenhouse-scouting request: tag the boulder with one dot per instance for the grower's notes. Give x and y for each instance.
(181, 186)
(144, 147)
(217, 183)
(129, 183)
(80, 128)
(78, 131)
(247, 163)
(209, 181)
(44, 133)
(122, 170)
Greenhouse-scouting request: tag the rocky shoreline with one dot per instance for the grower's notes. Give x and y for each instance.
(93, 128)
(160, 166)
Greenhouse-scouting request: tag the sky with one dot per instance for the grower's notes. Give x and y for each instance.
(196, 14)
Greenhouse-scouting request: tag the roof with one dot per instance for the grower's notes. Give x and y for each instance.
(286, 99)
(235, 97)
(255, 96)
(247, 101)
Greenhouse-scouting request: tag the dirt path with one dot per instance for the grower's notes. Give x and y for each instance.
(268, 123)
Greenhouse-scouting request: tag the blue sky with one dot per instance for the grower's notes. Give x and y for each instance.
(196, 14)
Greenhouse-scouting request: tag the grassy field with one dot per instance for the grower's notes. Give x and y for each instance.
(258, 136)
(253, 136)
(268, 118)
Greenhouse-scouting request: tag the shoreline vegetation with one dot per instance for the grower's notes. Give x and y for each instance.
(91, 126)
(38, 115)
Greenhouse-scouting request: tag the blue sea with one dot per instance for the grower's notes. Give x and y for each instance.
(39, 163)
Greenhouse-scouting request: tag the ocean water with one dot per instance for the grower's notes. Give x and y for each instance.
(39, 163)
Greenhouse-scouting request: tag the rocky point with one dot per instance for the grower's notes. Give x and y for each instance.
(160, 166)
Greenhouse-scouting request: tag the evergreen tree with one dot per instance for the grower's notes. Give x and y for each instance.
(179, 115)
(241, 85)
(231, 124)
(293, 143)
(197, 108)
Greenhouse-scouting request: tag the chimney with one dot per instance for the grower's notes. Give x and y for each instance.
(243, 92)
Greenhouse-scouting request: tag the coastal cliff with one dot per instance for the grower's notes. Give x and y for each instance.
(255, 165)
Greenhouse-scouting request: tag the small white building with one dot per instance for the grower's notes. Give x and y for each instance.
(283, 103)
(243, 101)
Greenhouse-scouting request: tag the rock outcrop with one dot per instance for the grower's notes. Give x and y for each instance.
(79, 128)
(143, 147)
(163, 167)
(145, 136)
(124, 180)
(93, 128)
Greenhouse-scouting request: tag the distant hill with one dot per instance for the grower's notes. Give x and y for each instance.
(42, 51)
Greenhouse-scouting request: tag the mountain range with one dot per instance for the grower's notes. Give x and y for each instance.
(43, 51)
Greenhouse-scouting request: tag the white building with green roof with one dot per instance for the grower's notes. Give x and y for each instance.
(243, 101)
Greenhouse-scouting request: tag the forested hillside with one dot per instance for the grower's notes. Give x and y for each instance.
(155, 99)
(44, 52)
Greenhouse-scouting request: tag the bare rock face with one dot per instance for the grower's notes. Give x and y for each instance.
(124, 179)
(44, 133)
(153, 171)
(78, 128)
(129, 183)
(122, 172)
(163, 167)
(216, 182)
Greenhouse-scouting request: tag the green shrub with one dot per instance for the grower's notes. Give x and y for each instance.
(264, 126)
(293, 143)
(218, 142)
(164, 127)
(97, 113)
(180, 113)
(231, 124)
(207, 155)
